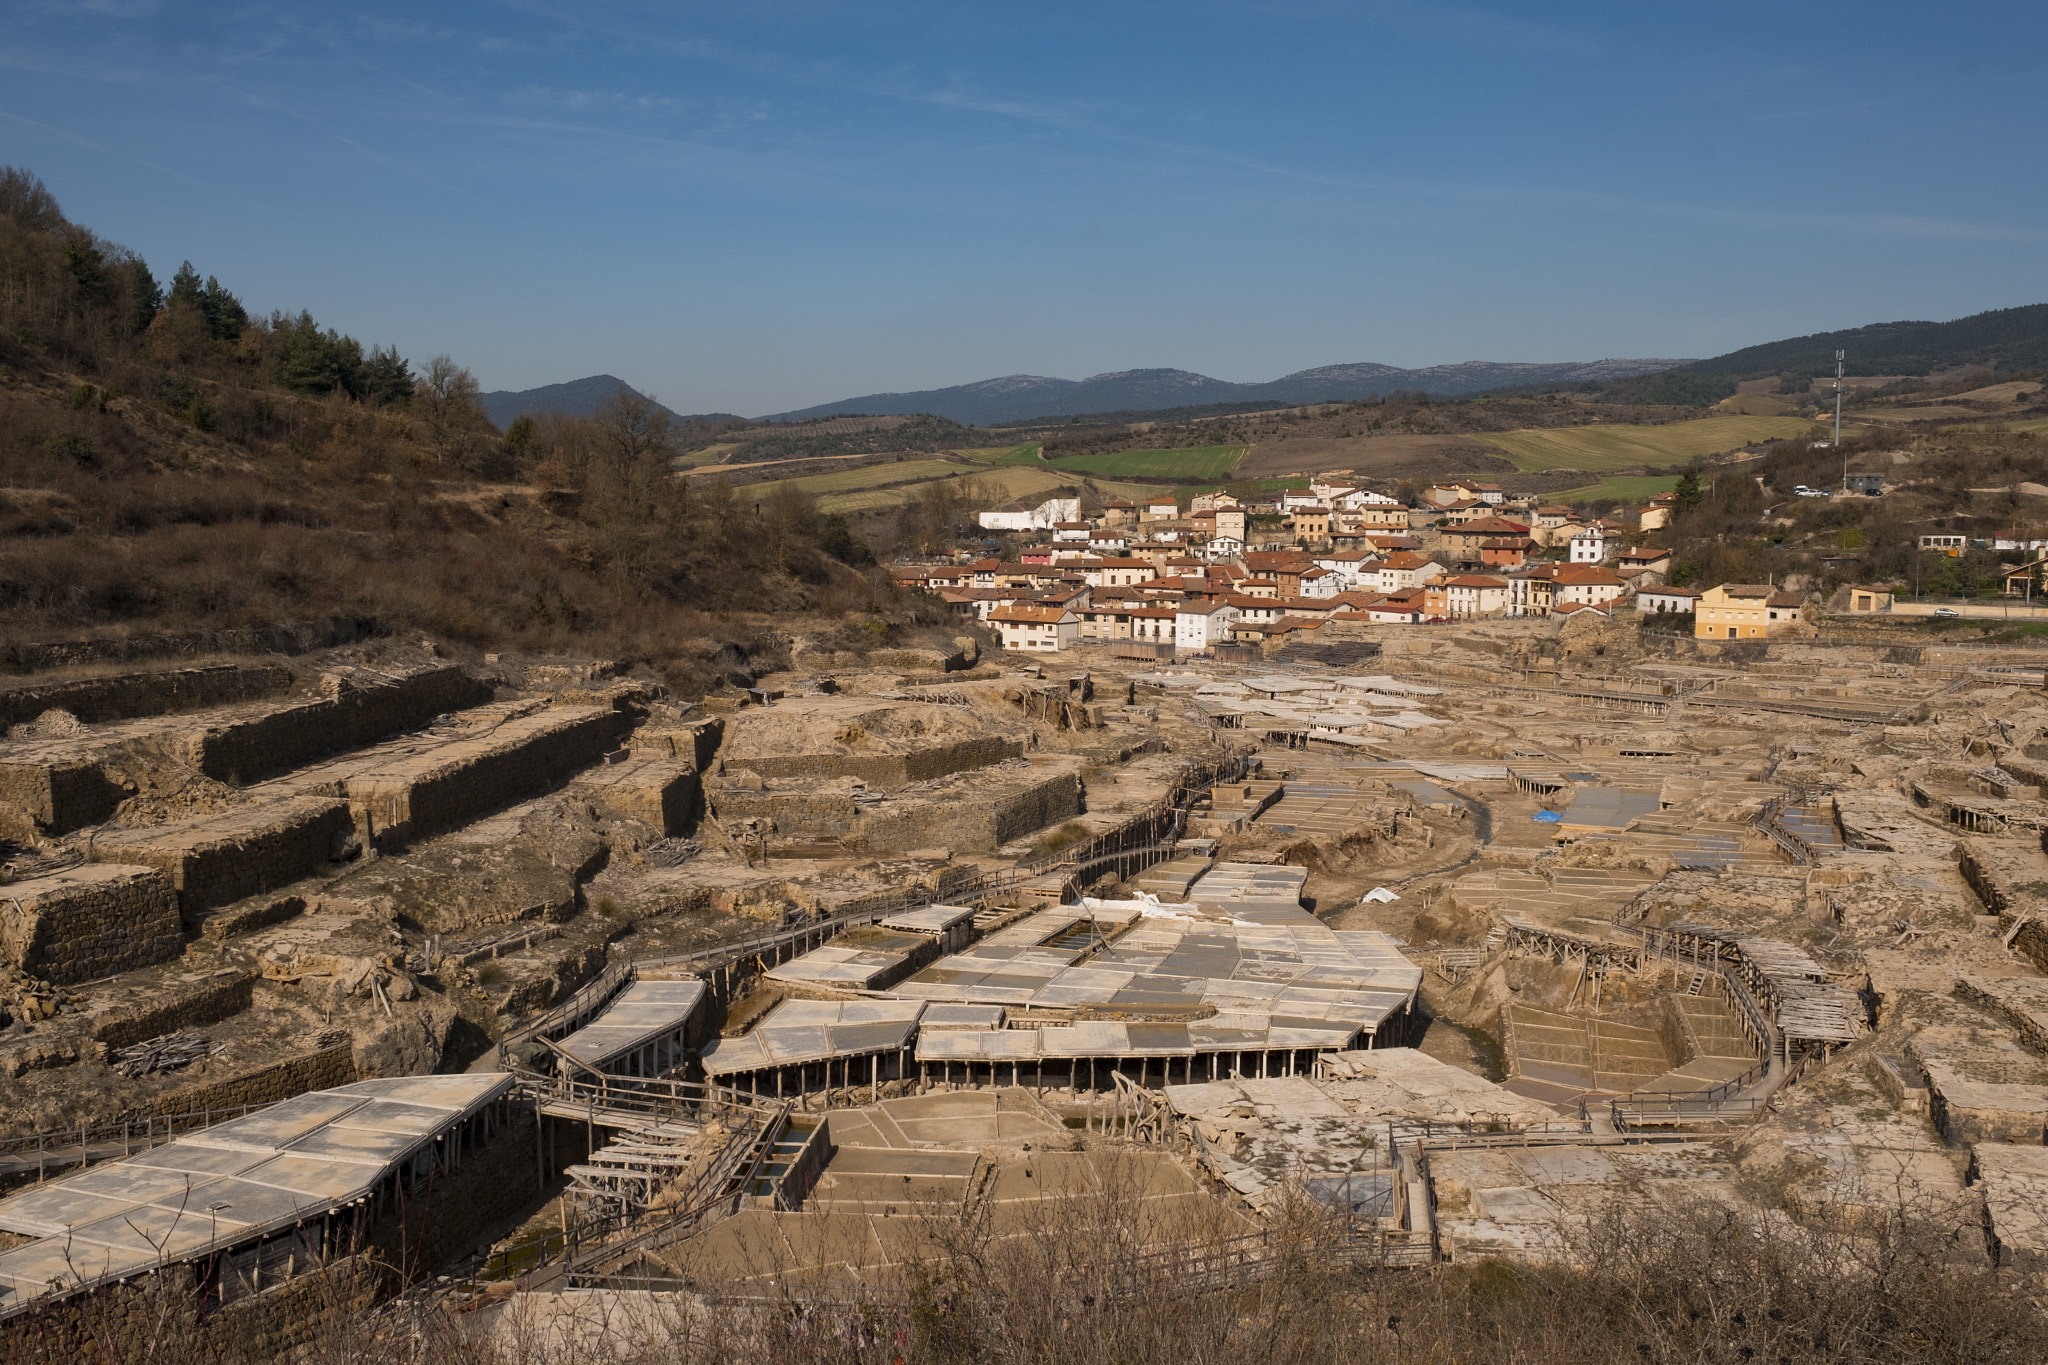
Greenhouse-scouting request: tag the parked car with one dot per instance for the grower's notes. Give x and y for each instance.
(1803, 491)
(1946, 613)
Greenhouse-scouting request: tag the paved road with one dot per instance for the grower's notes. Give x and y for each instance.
(2016, 610)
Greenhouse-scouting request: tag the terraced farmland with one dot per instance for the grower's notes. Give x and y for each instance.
(1003, 485)
(1023, 454)
(1598, 448)
(1182, 466)
(876, 475)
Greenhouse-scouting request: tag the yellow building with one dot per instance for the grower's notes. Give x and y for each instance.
(1745, 611)
(1311, 523)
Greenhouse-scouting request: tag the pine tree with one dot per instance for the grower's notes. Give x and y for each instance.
(1689, 493)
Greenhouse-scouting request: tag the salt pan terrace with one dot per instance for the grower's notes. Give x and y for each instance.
(1238, 979)
(290, 1184)
(1348, 711)
(643, 1032)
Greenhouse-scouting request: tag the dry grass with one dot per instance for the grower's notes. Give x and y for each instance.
(1000, 484)
(1093, 1279)
(1181, 466)
(876, 476)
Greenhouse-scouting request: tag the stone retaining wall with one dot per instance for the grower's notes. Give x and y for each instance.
(2013, 884)
(2007, 880)
(97, 700)
(349, 716)
(151, 1316)
(979, 826)
(221, 996)
(278, 1322)
(920, 765)
(54, 786)
(2021, 1001)
(459, 781)
(322, 1069)
(89, 922)
(663, 794)
(256, 914)
(226, 857)
(696, 743)
(961, 821)
(54, 798)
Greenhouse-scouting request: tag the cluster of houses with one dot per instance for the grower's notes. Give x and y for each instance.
(1226, 571)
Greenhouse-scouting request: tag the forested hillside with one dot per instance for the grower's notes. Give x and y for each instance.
(173, 460)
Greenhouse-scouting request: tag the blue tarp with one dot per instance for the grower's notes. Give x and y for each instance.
(1548, 817)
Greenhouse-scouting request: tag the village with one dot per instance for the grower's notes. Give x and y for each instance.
(1229, 579)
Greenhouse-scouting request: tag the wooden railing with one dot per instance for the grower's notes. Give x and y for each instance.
(63, 1147)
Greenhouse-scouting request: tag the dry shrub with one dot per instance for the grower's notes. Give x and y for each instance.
(1083, 1279)
(1697, 1281)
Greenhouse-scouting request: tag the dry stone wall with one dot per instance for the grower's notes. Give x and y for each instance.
(662, 794)
(220, 996)
(695, 744)
(54, 797)
(457, 782)
(96, 700)
(225, 857)
(89, 922)
(321, 1069)
(968, 821)
(54, 786)
(351, 715)
(918, 765)
(139, 1319)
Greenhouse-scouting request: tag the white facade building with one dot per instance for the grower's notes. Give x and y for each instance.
(1051, 512)
(1199, 626)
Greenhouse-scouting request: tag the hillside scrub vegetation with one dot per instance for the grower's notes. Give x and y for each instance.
(1748, 525)
(171, 461)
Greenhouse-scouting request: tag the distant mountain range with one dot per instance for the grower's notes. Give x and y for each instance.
(577, 398)
(2014, 339)
(1023, 397)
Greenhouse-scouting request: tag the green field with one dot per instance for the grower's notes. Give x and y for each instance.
(1129, 492)
(1626, 487)
(875, 475)
(1621, 446)
(1002, 455)
(1188, 491)
(1202, 462)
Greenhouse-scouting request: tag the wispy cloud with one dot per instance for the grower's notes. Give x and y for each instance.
(66, 135)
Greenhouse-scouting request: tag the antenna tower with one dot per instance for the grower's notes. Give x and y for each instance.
(1840, 356)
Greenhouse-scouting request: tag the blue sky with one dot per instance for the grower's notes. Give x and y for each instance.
(759, 207)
